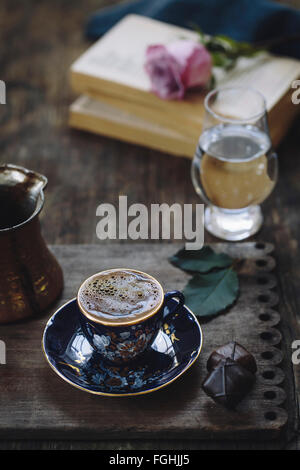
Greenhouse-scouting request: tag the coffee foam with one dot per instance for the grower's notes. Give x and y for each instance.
(117, 295)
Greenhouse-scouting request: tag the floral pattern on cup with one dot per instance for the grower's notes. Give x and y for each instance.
(120, 345)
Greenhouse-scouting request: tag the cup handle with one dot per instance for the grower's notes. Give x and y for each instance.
(85, 330)
(177, 295)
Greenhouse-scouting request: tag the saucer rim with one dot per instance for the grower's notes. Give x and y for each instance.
(117, 395)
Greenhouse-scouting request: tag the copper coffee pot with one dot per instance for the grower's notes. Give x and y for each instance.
(30, 277)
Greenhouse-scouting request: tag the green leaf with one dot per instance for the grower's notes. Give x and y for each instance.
(221, 60)
(201, 261)
(225, 51)
(229, 41)
(230, 46)
(209, 294)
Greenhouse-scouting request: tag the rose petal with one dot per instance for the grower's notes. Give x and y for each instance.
(164, 72)
(198, 70)
(195, 62)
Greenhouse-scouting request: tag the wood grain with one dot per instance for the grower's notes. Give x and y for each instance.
(34, 402)
(40, 40)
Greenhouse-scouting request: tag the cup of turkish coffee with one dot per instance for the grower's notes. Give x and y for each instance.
(122, 311)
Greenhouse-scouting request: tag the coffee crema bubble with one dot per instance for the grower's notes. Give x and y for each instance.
(118, 295)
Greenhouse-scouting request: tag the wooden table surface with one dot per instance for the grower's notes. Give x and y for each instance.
(39, 41)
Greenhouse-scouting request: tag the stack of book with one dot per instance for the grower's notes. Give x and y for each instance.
(115, 98)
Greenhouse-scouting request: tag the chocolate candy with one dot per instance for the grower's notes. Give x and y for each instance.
(235, 352)
(231, 374)
(228, 383)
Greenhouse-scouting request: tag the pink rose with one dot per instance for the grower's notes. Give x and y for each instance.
(176, 67)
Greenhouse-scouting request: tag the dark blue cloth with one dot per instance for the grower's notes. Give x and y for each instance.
(243, 20)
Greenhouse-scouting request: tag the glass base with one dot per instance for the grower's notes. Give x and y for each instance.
(233, 225)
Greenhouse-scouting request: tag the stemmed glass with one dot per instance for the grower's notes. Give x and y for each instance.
(234, 168)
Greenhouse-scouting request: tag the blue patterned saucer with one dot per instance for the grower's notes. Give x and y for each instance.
(175, 349)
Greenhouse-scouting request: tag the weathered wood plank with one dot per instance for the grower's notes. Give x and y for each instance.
(34, 402)
(41, 40)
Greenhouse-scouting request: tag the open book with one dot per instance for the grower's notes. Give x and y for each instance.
(118, 101)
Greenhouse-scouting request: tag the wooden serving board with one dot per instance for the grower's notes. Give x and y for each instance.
(36, 403)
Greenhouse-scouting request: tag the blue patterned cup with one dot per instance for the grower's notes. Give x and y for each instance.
(121, 338)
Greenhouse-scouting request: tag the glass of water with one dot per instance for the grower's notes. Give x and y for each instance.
(234, 168)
